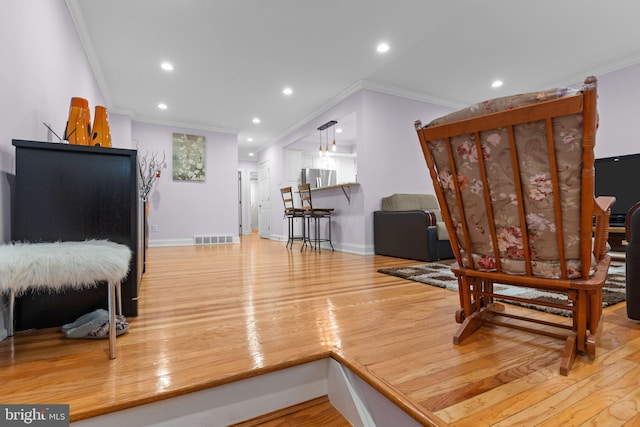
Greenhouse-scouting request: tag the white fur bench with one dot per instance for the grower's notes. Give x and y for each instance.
(65, 265)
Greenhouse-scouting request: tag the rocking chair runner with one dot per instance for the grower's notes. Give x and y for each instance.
(514, 177)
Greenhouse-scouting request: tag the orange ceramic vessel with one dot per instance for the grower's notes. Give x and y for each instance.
(100, 133)
(79, 123)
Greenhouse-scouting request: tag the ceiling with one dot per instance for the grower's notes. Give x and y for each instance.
(233, 58)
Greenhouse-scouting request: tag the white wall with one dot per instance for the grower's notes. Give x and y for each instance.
(181, 209)
(389, 156)
(43, 67)
(619, 109)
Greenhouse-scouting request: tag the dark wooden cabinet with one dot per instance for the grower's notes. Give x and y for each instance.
(70, 192)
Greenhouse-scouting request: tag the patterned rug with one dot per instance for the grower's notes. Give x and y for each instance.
(439, 274)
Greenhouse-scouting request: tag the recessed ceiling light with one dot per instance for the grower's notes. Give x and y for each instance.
(251, 154)
(382, 47)
(167, 66)
(338, 130)
(162, 106)
(287, 91)
(256, 120)
(249, 139)
(496, 83)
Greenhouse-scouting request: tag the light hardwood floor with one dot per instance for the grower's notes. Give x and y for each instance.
(210, 315)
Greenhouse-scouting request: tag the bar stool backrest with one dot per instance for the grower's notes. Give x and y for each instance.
(287, 200)
(305, 196)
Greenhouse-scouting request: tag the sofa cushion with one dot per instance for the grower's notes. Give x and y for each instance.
(412, 202)
(441, 229)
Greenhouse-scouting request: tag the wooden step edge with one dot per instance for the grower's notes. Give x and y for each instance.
(404, 402)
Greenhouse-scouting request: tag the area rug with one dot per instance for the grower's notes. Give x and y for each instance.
(440, 275)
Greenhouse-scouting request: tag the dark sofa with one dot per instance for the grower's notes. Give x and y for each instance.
(410, 226)
(632, 261)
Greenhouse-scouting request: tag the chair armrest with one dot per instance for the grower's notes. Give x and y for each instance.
(603, 204)
(602, 212)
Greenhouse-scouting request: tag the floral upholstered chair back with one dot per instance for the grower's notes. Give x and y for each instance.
(513, 183)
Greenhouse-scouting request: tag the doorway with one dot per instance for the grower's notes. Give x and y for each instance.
(263, 196)
(253, 204)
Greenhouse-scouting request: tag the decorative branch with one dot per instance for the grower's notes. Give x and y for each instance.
(150, 172)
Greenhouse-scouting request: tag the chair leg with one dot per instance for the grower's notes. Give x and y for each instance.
(317, 236)
(569, 354)
(119, 297)
(592, 340)
(290, 232)
(112, 320)
(471, 324)
(330, 244)
(465, 296)
(581, 320)
(306, 233)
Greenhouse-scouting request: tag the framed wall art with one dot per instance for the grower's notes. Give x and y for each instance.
(189, 157)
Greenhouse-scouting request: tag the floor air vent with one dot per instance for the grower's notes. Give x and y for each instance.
(212, 240)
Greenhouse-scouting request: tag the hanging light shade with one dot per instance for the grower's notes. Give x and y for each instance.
(334, 147)
(326, 147)
(326, 127)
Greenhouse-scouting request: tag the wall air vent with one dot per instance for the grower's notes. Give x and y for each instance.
(211, 240)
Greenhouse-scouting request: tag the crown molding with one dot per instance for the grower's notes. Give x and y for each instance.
(409, 94)
(185, 125)
(81, 27)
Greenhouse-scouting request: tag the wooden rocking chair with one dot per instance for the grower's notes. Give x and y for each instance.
(514, 177)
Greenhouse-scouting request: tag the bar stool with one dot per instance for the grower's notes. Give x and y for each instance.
(291, 213)
(315, 215)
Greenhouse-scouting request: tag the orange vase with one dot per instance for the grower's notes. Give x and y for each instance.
(100, 133)
(79, 123)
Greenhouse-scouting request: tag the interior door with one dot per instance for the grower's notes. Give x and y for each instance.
(263, 206)
(254, 201)
(239, 203)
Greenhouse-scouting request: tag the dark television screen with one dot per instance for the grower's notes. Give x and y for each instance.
(619, 176)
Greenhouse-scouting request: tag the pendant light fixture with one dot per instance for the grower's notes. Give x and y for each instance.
(326, 127)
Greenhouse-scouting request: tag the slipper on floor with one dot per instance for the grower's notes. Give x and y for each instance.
(100, 312)
(103, 330)
(98, 327)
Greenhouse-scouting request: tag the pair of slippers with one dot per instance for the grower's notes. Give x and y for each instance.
(94, 325)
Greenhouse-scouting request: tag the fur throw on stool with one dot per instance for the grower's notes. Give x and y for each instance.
(59, 265)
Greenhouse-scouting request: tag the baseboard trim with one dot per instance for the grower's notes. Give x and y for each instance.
(340, 247)
(179, 242)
